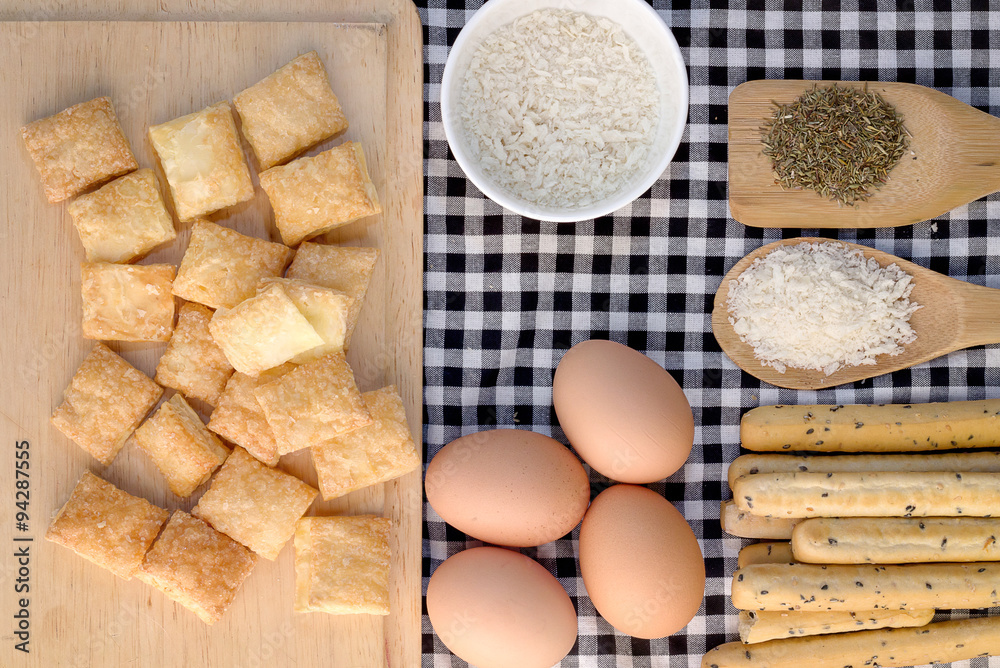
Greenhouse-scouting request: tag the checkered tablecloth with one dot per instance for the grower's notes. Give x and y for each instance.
(505, 297)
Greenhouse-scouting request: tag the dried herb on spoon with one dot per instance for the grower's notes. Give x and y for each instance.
(839, 141)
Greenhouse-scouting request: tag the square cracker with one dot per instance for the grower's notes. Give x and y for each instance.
(342, 565)
(289, 111)
(77, 148)
(255, 504)
(313, 195)
(313, 403)
(201, 157)
(347, 269)
(368, 455)
(239, 418)
(193, 363)
(180, 445)
(125, 302)
(123, 220)
(263, 331)
(326, 310)
(105, 401)
(222, 267)
(107, 526)
(197, 566)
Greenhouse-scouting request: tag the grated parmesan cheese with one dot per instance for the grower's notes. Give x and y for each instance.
(560, 108)
(821, 306)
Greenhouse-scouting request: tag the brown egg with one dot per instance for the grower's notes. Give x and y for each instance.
(508, 487)
(496, 608)
(622, 413)
(641, 562)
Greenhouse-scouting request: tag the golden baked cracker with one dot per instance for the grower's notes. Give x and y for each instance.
(289, 111)
(180, 445)
(239, 418)
(313, 195)
(77, 148)
(381, 451)
(123, 220)
(107, 526)
(326, 310)
(197, 566)
(125, 302)
(263, 331)
(105, 401)
(222, 267)
(255, 504)
(201, 157)
(193, 363)
(345, 268)
(313, 403)
(342, 565)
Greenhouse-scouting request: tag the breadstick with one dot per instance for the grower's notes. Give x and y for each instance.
(812, 587)
(756, 627)
(746, 525)
(959, 462)
(778, 552)
(882, 428)
(938, 642)
(896, 540)
(791, 495)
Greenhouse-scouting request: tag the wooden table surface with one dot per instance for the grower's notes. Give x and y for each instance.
(109, 637)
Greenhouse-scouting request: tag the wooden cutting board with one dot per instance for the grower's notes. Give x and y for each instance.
(81, 615)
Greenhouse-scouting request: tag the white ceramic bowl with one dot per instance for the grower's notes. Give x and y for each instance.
(642, 24)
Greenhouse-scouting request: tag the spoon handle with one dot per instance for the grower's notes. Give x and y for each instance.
(977, 147)
(978, 311)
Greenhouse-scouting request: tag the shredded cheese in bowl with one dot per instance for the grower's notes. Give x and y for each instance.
(821, 306)
(560, 108)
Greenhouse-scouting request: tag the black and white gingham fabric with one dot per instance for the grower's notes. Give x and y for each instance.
(505, 297)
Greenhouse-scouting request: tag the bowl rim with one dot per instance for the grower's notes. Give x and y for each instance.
(453, 129)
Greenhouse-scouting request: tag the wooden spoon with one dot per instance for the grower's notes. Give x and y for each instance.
(955, 315)
(956, 159)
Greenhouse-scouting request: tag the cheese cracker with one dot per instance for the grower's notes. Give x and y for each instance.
(255, 504)
(197, 566)
(342, 565)
(368, 455)
(107, 526)
(105, 401)
(180, 445)
(78, 148)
